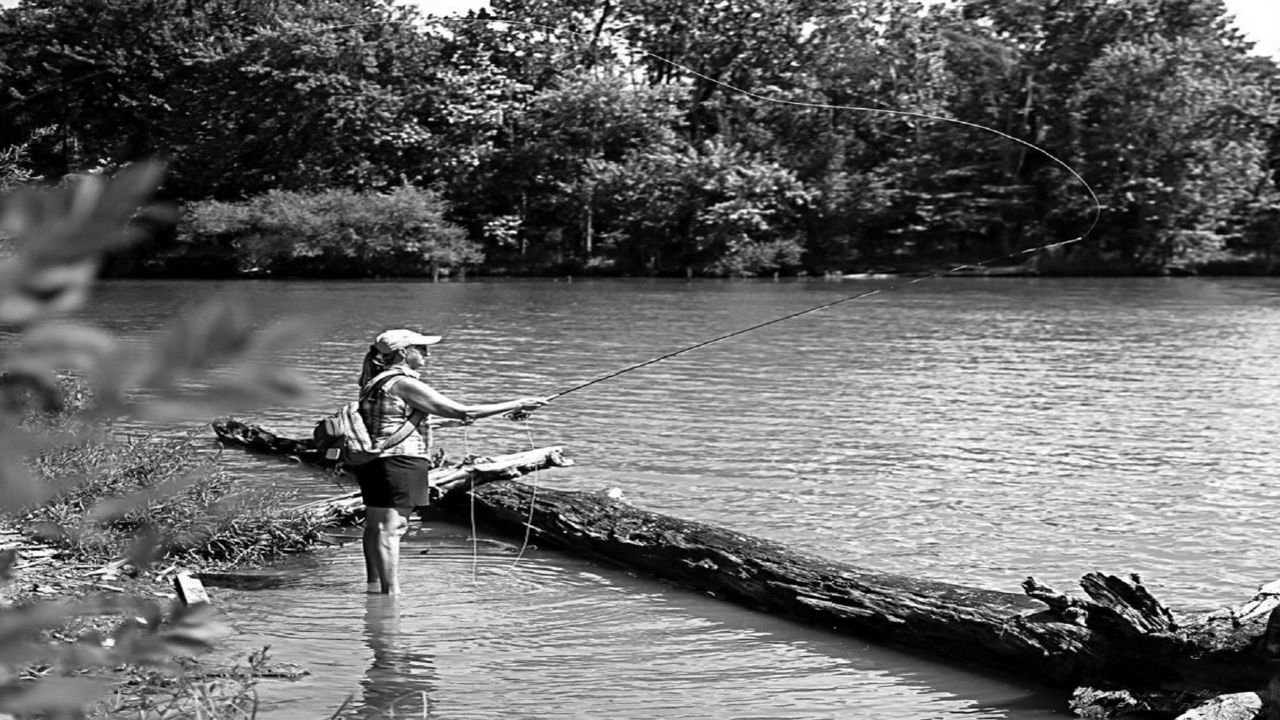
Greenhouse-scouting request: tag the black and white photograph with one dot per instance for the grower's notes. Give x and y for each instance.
(639, 359)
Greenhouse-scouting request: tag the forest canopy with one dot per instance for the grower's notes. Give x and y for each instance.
(659, 137)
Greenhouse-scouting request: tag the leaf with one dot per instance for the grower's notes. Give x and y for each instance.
(61, 346)
(284, 335)
(61, 235)
(145, 549)
(70, 224)
(28, 621)
(29, 292)
(193, 615)
(214, 331)
(17, 488)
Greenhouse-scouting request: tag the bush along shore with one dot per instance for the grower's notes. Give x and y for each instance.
(88, 594)
(406, 233)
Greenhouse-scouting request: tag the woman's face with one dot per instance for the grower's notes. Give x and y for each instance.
(416, 356)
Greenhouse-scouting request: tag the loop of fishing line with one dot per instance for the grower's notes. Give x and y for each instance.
(521, 415)
(471, 495)
(533, 500)
(1097, 203)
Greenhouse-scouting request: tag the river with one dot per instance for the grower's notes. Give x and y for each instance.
(975, 431)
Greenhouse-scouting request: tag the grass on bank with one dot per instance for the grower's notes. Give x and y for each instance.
(111, 492)
(160, 502)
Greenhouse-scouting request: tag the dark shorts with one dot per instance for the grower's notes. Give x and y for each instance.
(388, 482)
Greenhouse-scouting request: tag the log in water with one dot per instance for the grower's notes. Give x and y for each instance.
(1116, 637)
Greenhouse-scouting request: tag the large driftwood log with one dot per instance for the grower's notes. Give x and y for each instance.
(1117, 636)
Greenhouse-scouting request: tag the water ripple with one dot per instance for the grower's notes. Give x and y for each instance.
(967, 431)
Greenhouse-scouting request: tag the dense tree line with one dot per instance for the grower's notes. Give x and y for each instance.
(355, 137)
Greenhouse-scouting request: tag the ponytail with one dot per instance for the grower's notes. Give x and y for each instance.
(374, 363)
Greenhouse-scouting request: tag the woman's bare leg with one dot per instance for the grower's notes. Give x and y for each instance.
(388, 524)
(369, 543)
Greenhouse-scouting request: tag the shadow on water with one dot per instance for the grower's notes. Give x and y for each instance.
(484, 631)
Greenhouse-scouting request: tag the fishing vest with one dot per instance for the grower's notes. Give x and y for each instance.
(384, 413)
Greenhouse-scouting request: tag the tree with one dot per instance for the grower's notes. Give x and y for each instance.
(322, 97)
(1067, 52)
(242, 97)
(712, 209)
(1175, 142)
(540, 174)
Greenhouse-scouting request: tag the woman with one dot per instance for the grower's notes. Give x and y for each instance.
(395, 403)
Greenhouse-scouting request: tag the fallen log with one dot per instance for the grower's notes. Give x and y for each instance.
(1116, 636)
(467, 472)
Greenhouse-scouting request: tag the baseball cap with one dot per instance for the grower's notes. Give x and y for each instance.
(399, 339)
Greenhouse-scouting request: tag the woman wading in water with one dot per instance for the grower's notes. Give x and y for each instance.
(393, 396)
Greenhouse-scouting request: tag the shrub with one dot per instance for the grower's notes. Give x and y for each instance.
(333, 233)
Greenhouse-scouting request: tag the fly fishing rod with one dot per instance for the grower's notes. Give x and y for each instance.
(1097, 211)
(520, 415)
(1097, 203)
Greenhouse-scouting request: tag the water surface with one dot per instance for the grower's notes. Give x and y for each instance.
(970, 431)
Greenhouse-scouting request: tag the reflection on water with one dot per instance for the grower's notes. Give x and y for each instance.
(479, 635)
(400, 677)
(968, 431)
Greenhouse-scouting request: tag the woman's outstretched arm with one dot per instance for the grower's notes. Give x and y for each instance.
(423, 397)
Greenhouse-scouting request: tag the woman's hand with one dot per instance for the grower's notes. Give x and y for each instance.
(530, 404)
(526, 406)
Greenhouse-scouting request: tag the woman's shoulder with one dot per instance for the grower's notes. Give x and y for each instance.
(404, 381)
(385, 381)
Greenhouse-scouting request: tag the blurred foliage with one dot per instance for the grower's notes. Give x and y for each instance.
(525, 127)
(113, 491)
(91, 493)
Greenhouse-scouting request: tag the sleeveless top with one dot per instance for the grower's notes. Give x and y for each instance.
(384, 413)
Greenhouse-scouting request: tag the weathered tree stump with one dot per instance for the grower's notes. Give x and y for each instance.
(1132, 653)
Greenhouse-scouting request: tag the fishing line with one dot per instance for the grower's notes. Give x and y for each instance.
(1097, 203)
(471, 495)
(798, 313)
(533, 500)
(1097, 209)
